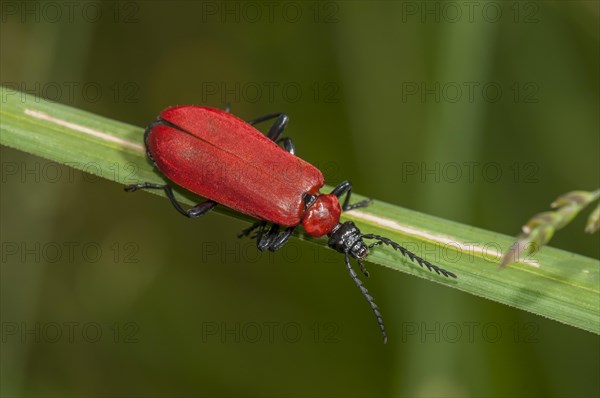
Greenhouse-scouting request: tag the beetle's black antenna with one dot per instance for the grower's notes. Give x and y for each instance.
(369, 298)
(405, 252)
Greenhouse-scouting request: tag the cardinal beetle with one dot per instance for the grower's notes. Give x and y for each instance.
(224, 159)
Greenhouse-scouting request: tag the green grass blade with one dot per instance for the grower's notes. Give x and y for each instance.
(553, 283)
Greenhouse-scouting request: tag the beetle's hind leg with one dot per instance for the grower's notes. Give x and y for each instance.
(199, 210)
(196, 211)
(346, 188)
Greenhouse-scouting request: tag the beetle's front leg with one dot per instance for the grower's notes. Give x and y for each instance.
(346, 188)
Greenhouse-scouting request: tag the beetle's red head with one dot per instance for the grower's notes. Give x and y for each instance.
(323, 214)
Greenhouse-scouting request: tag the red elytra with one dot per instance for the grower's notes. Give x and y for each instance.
(223, 158)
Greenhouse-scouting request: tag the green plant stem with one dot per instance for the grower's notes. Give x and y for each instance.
(541, 228)
(553, 283)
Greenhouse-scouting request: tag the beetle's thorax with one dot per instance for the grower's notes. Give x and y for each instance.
(321, 215)
(346, 238)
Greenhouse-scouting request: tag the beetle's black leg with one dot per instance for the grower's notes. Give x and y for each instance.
(261, 232)
(282, 239)
(271, 239)
(365, 292)
(248, 231)
(276, 129)
(264, 239)
(346, 188)
(193, 212)
(288, 144)
(264, 118)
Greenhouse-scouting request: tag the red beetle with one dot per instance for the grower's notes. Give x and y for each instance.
(218, 156)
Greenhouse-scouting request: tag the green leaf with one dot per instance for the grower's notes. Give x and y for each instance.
(553, 283)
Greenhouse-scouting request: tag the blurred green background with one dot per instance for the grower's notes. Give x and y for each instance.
(479, 112)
